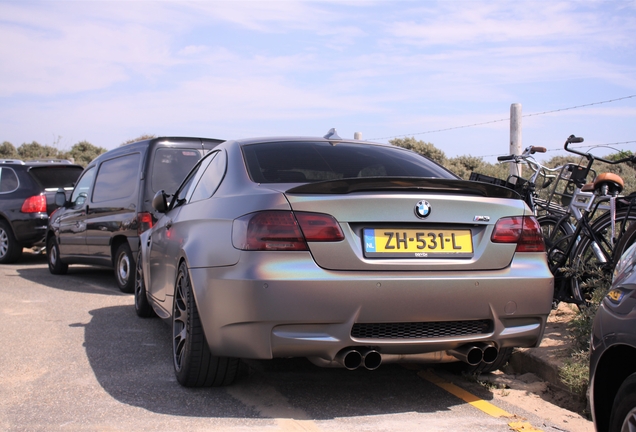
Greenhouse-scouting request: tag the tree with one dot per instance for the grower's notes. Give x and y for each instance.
(421, 147)
(139, 138)
(464, 165)
(8, 151)
(34, 150)
(84, 152)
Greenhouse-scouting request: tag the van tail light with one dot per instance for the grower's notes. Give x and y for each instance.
(522, 230)
(283, 230)
(34, 204)
(144, 222)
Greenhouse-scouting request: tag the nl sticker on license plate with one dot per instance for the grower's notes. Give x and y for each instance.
(415, 243)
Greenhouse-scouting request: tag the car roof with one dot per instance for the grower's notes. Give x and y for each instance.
(145, 144)
(39, 163)
(249, 141)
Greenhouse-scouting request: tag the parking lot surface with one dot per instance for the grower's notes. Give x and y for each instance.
(76, 357)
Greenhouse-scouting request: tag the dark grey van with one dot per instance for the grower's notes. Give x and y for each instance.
(111, 204)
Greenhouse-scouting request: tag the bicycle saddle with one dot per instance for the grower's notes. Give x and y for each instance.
(614, 184)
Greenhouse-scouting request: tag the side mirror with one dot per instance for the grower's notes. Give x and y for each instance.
(159, 202)
(60, 198)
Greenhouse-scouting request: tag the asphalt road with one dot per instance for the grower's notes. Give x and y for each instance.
(75, 357)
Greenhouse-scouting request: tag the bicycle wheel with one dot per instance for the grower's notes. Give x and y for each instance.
(624, 243)
(556, 234)
(592, 264)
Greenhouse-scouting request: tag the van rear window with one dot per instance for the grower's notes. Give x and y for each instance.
(171, 166)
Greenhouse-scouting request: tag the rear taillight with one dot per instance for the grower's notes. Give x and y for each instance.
(318, 227)
(144, 222)
(283, 230)
(522, 230)
(34, 204)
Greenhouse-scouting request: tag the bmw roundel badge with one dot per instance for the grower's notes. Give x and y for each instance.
(422, 209)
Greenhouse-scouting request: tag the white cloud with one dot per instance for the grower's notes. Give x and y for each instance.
(116, 68)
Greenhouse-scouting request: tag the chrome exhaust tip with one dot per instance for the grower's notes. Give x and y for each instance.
(471, 354)
(490, 352)
(371, 359)
(349, 358)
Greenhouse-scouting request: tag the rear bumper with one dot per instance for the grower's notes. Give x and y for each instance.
(283, 305)
(30, 228)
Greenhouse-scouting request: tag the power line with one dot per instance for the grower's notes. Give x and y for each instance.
(508, 118)
(581, 146)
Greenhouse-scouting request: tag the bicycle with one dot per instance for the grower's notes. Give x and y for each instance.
(578, 259)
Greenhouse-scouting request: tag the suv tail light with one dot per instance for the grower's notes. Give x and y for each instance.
(144, 222)
(34, 204)
(283, 230)
(522, 230)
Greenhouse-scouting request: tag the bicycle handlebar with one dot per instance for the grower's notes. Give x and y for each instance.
(506, 158)
(590, 157)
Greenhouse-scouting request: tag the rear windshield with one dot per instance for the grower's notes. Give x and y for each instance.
(56, 176)
(170, 167)
(299, 162)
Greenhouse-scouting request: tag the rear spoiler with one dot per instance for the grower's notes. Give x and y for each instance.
(404, 184)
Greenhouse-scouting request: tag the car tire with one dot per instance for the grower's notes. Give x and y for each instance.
(56, 266)
(194, 364)
(502, 359)
(125, 268)
(10, 249)
(623, 417)
(142, 305)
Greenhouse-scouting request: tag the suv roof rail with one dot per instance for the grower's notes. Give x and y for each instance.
(12, 161)
(64, 161)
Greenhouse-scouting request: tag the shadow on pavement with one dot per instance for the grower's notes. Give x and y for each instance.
(80, 278)
(132, 360)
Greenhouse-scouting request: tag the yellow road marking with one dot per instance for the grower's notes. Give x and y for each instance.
(478, 403)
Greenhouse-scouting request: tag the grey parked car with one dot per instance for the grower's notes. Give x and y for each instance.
(349, 253)
(613, 354)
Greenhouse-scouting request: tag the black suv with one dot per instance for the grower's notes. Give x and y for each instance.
(111, 204)
(27, 197)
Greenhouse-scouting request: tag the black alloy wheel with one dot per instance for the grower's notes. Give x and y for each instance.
(194, 364)
(142, 305)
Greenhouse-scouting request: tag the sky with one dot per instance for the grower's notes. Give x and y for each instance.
(446, 72)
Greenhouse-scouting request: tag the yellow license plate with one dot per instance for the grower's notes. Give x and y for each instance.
(417, 243)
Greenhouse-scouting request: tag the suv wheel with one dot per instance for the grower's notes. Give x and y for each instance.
(194, 364)
(125, 269)
(56, 266)
(10, 249)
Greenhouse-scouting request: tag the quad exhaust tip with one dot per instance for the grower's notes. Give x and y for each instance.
(475, 353)
(352, 358)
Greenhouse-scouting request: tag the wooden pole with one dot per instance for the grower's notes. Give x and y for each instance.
(515, 136)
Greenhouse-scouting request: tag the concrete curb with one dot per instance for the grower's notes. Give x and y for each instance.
(526, 360)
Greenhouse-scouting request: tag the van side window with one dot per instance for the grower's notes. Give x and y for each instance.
(211, 178)
(117, 178)
(170, 167)
(80, 193)
(8, 180)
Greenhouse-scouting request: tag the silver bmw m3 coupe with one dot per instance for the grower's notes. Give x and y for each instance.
(349, 253)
